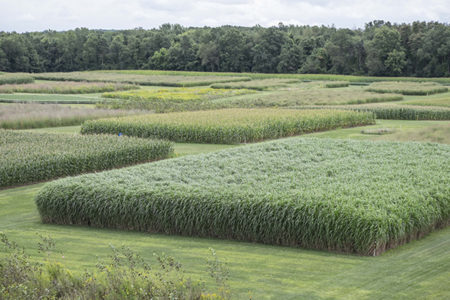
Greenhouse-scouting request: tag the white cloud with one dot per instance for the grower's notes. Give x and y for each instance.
(27, 15)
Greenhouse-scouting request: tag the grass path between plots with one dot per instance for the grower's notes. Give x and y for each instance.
(418, 270)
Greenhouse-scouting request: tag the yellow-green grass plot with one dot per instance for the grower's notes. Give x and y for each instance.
(169, 99)
(353, 196)
(228, 126)
(32, 157)
(407, 88)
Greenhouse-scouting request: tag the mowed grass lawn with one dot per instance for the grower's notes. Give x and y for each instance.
(418, 270)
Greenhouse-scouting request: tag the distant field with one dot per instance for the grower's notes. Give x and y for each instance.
(141, 79)
(66, 87)
(350, 78)
(407, 88)
(228, 126)
(351, 196)
(394, 111)
(315, 191)
(51, 98)
(22, 116)
(15, 78)
(337, 84)
(136, 76)
(402, 130)
(169, 99)
(290, 97)
(432, 100)
(436, 134)
(32, 157)
(260, 85)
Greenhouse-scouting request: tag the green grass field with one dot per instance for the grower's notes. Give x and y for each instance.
(183, 80)
(51, 98)
(407, 88)
(30, 157)
(350, 78)
(418, 270)
(403, 129)
(228, 126)
(36, 115)
(327, 194)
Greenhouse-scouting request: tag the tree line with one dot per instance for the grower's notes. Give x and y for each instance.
(379, 49)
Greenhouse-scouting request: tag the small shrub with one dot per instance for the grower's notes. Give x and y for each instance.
(126, 275)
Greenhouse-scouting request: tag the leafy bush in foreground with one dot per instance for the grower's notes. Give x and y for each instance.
(125, 276)
(407, 88)
(353, 196)
(31, 157)
(15, 78)
(228, 126)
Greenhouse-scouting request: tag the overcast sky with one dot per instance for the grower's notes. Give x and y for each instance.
(38, 15)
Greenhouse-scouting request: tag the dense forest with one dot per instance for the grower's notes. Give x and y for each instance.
(381, 48)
